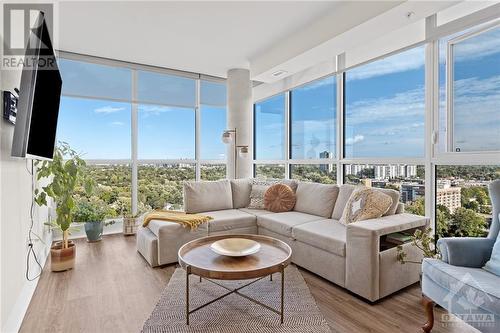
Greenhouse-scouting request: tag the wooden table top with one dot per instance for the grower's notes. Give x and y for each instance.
(273, 255)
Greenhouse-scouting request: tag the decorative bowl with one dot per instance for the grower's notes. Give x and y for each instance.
(235, 247)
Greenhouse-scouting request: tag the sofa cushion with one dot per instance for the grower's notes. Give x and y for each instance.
(230, 219)
(207, 196)
(465, 282)
(345, 192)
(328, 235)
(241, 192)
(317, 199)
(395, 195)
(256, 212)
(282, 223)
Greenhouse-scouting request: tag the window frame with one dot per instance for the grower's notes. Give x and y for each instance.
(449, 85)
(134, 102)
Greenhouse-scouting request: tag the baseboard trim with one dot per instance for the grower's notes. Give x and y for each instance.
(16, 316)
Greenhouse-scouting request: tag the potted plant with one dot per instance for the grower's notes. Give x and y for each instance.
(93, 214)
(131, 221)
(65, 174)
(424, 241)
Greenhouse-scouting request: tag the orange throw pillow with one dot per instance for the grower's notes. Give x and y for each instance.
(279, 198)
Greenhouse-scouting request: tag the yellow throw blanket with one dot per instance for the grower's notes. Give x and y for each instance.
(186, 220)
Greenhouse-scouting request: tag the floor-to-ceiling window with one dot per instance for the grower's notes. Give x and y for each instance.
(164, 124)
(436, 141)
(295, 133)
(384, 125)
(468, 130)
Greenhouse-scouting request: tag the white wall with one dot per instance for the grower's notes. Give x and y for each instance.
(15, 202)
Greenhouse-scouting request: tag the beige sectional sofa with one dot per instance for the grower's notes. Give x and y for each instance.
(355, 256)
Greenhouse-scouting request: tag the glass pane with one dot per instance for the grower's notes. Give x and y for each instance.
(87, 79)
(321, 173)
(95, 128)
(213, 93)
(385, 107)
(213, 171)
(270, 171)
(113, 187)
(313, 109)
(463, 205)
(213, 123)
(166, 89)
(166, 132)
(270, 128)
(476, 93)
(160, 185)
(409, 180)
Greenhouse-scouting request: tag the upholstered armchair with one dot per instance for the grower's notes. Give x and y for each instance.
(457, 281)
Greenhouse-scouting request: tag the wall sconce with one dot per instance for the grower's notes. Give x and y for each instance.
(239, 151)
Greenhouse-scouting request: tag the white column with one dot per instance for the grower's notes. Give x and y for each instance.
(239, 117)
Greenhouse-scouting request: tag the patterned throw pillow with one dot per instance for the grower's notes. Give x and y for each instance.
(364, 204)
(257, 196)
(279, 198)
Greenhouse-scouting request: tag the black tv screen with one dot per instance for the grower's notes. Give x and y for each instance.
(39, 97)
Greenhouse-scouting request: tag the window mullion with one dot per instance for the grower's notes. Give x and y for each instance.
(287, 146)
(197, 131)
(134, 145)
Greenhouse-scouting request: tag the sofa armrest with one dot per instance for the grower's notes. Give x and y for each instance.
(363, 248)
(465, 251)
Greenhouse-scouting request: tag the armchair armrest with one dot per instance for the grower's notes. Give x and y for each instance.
(363, 249)
(465, 251)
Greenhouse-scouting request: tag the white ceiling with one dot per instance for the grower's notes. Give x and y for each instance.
(211, 37)
(203, 37)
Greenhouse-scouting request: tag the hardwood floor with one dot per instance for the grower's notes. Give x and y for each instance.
(113, 289)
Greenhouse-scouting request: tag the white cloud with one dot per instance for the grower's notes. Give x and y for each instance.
(356, 139)
(153, 110)
(400, 108)
(477, 113)
(400, 62)
(117, 123)
(477, 47)
(108, 109)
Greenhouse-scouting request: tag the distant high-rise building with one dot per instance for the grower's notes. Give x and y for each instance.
(411, 192)
(326, 167)
(448, 196)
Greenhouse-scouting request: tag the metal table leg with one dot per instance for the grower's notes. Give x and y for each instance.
(282, 291)
(188, 272)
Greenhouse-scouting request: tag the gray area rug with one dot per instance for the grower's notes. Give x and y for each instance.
(234, 313)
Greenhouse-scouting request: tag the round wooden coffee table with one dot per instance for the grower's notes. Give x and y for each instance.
(197, 258)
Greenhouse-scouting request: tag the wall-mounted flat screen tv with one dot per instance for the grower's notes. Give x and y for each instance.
(39, 97)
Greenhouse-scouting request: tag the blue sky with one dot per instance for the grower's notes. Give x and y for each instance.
(101, 129)
(384, 110)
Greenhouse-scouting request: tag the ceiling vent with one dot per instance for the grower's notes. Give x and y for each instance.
(280, 72)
